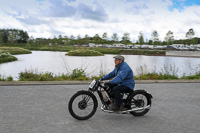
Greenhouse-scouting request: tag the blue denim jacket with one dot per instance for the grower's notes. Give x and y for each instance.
(122, 75)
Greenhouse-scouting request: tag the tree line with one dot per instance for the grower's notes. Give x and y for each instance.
(12, 36)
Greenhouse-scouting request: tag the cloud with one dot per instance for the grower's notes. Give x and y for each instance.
(46, 18)
(60, 9)
(96, 12)
(32, 20)
(69, 8)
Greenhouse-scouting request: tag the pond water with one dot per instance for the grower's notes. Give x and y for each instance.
(58, 63)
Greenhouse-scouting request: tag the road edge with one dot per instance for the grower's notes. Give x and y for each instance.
(16, 83)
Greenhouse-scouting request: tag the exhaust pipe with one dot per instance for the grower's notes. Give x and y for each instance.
(126, 111)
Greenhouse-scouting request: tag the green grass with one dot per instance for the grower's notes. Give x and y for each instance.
(15, 50)
(61, 48)
(6, 57)
(107, 50)
(7, 52)
(84, 52)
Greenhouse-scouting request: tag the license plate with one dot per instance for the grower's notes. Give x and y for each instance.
(92, 84)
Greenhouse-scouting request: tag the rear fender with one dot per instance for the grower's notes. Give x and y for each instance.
(150, 96)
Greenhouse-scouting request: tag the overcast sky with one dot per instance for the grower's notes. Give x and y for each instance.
(49, 18)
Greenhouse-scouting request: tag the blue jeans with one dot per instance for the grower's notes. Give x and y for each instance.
(118, 93)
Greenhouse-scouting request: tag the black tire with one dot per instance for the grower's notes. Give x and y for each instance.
(82, 105)
(138, 96)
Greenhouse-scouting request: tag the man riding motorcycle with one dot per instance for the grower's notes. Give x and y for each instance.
(122, 82)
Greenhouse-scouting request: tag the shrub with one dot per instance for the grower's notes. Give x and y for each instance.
(78, 74)
(2, 78)
(166, 73)
(196, 76)
(28, 76)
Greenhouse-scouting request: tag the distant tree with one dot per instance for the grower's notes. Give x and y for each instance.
(97, 39)
(72, 40)
(78, 40)
(60, 39)
(190, 34)
(23, 37)
(169, 37)
(150, 42)
(4, 35)
(105, 38)
(163, 43)
(86, 39)
(155, 36)
(86, 36)
(194, 40)
(141, 38)
(66, 39)
(31, 40)
(72, 37)
(13, 36)
(79, 37)
(114, 37)
(55, 40)
(126, 38)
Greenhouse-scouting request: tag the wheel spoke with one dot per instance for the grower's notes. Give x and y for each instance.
(89, 104)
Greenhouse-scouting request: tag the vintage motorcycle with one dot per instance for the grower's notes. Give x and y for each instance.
(83, 104)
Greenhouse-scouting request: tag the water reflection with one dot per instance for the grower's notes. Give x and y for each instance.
(58, 63)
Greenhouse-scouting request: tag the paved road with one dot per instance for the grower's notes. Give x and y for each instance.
(43, 109)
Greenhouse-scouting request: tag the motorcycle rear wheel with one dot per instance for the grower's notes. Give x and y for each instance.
(83, 105)
(139, 99)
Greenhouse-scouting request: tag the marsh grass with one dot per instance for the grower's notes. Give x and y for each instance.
(106, 50)
(15, 50)
(84, 52)
(6, 57)
(51, 48)
(7, 52)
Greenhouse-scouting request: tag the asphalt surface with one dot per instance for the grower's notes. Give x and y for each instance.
(44, 109)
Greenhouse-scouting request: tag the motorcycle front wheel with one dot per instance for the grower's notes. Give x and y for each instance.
(83, 105)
